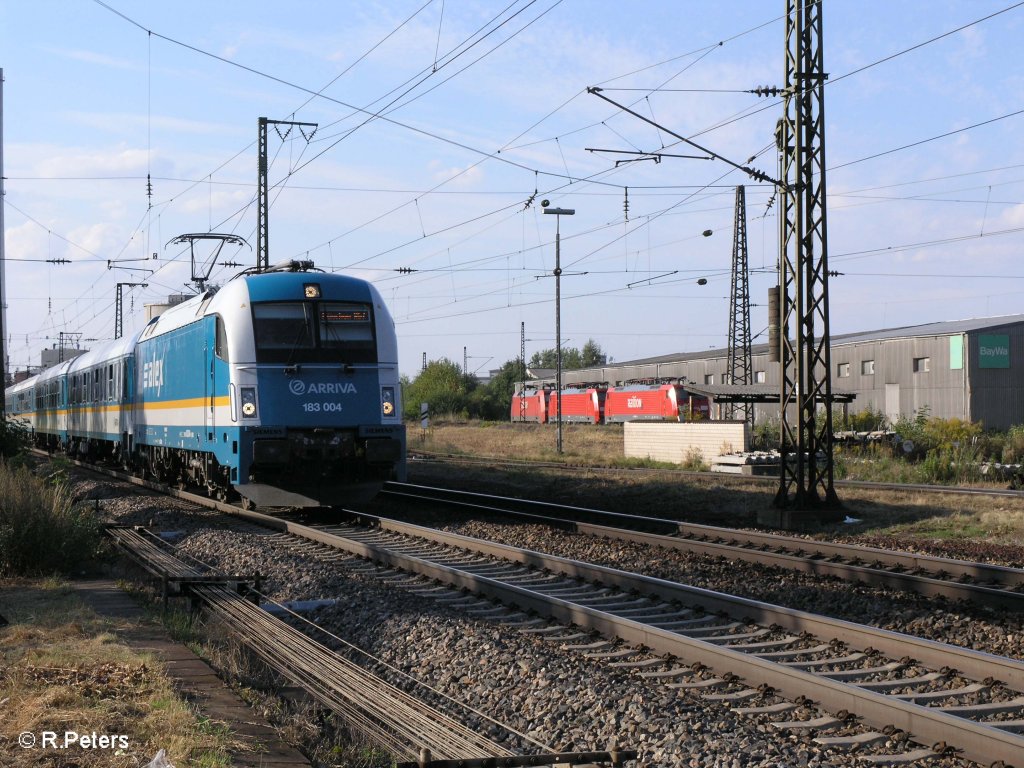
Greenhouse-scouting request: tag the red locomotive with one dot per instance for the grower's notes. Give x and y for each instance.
(583, 404)
(654, 401)
(530, 405)
(648, 400)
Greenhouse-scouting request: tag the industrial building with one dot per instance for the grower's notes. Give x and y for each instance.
(967, 369)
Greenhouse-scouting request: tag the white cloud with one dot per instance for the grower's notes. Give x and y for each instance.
(26, 241)
(92, 57)
(113, 162)
(134, 123)
(101, 238)
(1012, 217)
(461, 177)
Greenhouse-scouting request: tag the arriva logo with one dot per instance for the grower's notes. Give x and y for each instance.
(634, 402)
(153, 375)
(299, 387)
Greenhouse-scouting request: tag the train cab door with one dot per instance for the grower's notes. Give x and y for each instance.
(218, 374)
(123, 399)
(210, 395)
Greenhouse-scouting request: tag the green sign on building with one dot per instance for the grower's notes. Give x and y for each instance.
(994, 351)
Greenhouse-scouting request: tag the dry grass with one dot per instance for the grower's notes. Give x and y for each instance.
(41, 531)
(581, 444)
(63, 669)
(918, 519)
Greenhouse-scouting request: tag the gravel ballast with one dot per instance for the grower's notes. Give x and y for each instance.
(551, 695)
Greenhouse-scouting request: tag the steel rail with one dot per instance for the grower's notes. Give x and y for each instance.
(393, 717)
(928, 725)
(421, 455)
(406, 725)
(978, 583)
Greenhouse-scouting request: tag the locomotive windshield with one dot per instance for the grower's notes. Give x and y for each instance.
(313, 332)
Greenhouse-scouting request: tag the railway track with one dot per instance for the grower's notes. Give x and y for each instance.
(725, 477)
(978, 583)
(765, 661)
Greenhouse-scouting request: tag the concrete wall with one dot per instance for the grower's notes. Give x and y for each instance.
(667, 441)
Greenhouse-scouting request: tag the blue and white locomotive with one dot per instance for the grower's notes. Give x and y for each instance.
(282, 386)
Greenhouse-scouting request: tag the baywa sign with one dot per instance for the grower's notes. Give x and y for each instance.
(994, 351)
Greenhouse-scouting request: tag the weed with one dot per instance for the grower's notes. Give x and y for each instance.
(41, 532)
(694, 461)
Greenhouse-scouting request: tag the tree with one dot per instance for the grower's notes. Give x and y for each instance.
(592, 356)
(543, 359)
(443, 385)
(572, 358)
(497, 395)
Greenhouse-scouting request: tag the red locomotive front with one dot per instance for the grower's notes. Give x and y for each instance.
(530, 405)
(653, 401)
(583, 404)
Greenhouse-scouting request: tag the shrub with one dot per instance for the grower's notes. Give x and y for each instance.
(950, 433)
(694, 461)
(41, 532)
(1013, 445)
(14, 439)
(951, 465)
(868, 420)
(765, 435)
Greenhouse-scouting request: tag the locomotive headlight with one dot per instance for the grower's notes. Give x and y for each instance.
(311, 290)
(387, 401)
(248, 402)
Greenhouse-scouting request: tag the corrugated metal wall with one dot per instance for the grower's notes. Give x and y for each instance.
(997, 394)
(896, 388)
(994, 396)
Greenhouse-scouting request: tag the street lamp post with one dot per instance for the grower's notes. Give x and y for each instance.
(558, 213)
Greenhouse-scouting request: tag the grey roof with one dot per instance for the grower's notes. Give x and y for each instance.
(540, 373)
(944, 328)
(751, 393)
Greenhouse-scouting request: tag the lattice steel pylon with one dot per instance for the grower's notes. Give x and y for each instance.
(119, 307)
(738, 364)
(806, 475)
(263, 188)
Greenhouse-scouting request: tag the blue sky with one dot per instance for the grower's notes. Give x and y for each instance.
(484, 104)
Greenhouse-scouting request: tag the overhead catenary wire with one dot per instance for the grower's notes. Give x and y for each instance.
(150, 34)
(440, 192)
